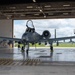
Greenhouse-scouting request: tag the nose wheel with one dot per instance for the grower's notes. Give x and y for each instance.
(27, 48)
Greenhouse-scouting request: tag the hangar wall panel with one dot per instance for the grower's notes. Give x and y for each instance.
(6, 28)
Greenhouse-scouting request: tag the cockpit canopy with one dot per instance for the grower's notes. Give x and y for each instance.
(30, 26)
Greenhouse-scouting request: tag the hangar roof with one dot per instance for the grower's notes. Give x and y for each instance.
(37, 9)
(3, 2)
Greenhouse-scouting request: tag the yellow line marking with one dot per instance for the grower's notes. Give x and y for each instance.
(9, 63)
(5, 62)
(1, 62)
(13, 63)
(20, 63)
(16, 63)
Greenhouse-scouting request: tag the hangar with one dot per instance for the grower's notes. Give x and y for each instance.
(32, 9)
(11, 10)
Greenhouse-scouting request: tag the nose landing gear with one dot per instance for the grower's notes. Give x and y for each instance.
(51, 50)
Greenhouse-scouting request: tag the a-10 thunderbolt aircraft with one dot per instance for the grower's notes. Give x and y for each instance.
(31, 36)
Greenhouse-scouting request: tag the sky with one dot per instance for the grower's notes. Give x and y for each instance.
(64, 27)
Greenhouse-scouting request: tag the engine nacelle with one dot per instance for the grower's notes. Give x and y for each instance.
(46, 34)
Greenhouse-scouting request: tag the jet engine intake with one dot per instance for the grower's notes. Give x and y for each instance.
(46, 34)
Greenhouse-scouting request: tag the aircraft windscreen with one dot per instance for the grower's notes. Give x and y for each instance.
(30, 24)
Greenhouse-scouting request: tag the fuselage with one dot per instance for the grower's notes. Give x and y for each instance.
(31, 37)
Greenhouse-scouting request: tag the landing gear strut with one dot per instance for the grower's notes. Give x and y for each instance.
(27, 50)
(22, 49)
(51, 50)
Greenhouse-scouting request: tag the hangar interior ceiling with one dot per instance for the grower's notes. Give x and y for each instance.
(38, 10)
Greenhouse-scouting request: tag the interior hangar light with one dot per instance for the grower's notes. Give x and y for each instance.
(41, 10)
(29, 6)
(23, 15)
(36, 14)
(12, 7)
(44, 16)
(47, 6)
(65, 13)
(34, 0)
(66, 5)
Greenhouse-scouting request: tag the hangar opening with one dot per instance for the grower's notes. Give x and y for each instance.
(62, 27)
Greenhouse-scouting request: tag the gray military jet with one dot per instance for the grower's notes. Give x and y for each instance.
(31, 36)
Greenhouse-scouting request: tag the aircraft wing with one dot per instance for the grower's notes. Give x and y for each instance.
(10, 39)
(51, 40)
